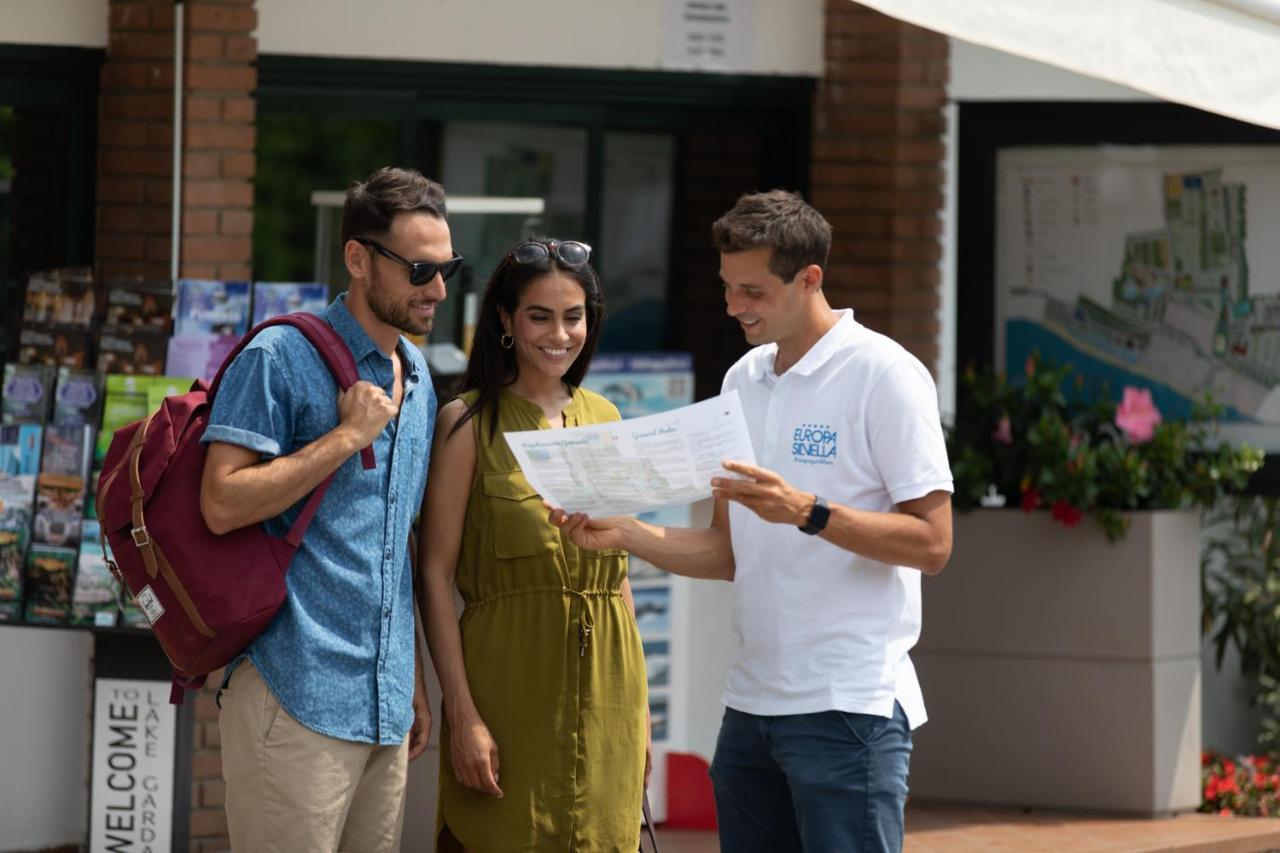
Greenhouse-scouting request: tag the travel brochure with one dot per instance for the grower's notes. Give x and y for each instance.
(27, 393)
(271, 299)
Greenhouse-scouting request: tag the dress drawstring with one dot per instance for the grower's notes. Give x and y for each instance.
(585, 623)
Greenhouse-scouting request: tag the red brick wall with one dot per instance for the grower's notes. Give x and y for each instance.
(877, 170)
(135, 130)
(135, 161)
(208, 793)
(135, 165)
(219, 162)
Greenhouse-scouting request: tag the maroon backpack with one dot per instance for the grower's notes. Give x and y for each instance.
(206, 596)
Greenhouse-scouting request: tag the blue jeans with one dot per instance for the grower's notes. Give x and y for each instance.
(831, 782)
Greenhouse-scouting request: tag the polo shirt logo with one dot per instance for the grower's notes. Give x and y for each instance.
(814, 444)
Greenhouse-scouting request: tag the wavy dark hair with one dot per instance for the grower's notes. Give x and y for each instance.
(491, 367)
(373, 204)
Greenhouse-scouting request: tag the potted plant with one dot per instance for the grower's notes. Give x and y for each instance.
(1068, 662)
(1032, 443)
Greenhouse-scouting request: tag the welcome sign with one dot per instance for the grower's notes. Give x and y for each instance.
(134, 730)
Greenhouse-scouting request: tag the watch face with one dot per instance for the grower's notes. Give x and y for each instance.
(818, 516)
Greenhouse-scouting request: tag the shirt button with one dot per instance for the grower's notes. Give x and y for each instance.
(388, 553)
(386, 612)
(393, 498)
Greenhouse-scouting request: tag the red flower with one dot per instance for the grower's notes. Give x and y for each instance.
(1030, 499)
(1224, 813)
(1066, 514)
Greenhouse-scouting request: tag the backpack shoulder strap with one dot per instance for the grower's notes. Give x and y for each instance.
(328, 343)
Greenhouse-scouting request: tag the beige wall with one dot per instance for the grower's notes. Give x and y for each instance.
(44, 736)
(75, 23)
(786, 37)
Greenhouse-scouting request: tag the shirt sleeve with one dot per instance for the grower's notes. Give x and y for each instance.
(253, 406)
(905, 433)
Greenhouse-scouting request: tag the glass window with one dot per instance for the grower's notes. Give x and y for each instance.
(636, 238)
(507, 160)
(300, 154)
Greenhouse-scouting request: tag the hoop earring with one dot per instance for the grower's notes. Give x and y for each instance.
(507, 341)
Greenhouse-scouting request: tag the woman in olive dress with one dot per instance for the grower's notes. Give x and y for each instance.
(544, 739)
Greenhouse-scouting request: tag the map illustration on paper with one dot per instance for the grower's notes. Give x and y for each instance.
(1138, 269)
(636, 465)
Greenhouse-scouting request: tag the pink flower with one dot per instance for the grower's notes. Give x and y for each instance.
(1003, 432)
(1136, 415)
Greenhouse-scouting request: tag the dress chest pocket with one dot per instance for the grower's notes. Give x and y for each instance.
(520, 526)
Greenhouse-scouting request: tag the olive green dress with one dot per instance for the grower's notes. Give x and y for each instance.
(554, 662)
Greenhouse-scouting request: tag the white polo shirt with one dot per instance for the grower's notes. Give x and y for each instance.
(821, 628)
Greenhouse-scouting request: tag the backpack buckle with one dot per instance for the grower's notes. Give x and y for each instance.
(140, 537)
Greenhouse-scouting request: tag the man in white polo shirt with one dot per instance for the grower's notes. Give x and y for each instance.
(825, 543)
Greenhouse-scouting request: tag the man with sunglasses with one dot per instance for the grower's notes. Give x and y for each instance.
(825, 544)
(324, 709)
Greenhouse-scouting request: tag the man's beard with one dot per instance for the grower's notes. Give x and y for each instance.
(391, 312)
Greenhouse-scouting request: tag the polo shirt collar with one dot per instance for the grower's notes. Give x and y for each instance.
(819, 354)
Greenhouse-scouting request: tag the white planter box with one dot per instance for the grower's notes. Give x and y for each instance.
(1062, 670)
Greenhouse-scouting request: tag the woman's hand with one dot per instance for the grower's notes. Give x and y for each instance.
(475, 756)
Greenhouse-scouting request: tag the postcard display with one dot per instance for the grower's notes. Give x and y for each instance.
(90, 358)
(644, 384)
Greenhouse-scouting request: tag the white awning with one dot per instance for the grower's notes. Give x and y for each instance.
(1219, 55)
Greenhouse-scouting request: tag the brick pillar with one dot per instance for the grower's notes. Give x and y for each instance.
(135, 160)
(219, 162)
(135, 131)
(208, 793)
(135, 165)
(877, 170)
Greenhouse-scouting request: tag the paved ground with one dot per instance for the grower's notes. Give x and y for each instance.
(932, 829)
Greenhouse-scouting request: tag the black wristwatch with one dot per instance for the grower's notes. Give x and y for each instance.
(818, 516)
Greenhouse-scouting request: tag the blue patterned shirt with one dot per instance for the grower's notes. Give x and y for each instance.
(340, 653)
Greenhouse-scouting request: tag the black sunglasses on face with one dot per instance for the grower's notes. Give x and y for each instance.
(571, 253)
(420, 272)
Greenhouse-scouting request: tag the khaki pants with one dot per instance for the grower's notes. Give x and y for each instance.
(292, 789)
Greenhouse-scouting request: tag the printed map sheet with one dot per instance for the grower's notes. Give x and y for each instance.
(635, 465)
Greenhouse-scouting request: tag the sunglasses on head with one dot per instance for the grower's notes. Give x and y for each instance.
(420, 272)
(570, 253)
